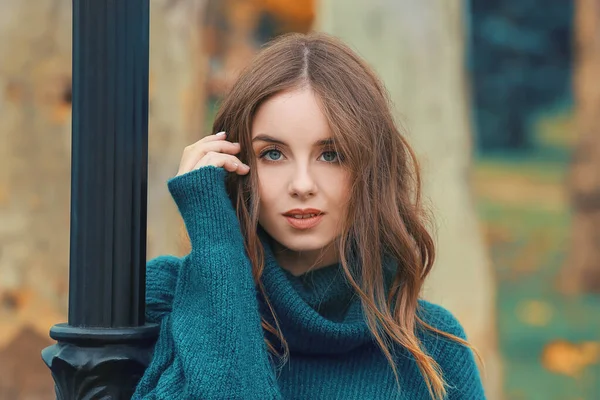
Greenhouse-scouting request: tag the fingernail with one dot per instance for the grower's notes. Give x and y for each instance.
(222, 133)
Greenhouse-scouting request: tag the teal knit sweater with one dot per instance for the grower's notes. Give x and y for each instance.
(211, 342)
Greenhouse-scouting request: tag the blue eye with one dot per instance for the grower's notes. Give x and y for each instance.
(272, 155)
(330, 156)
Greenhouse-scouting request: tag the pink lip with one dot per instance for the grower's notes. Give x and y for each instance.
(304, 223)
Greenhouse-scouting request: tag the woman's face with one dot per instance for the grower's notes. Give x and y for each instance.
(303, 184)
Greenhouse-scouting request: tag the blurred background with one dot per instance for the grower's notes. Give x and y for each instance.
(500, 99)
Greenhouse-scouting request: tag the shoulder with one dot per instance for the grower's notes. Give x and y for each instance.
(440, 318)
(456, 360)
(439, 346)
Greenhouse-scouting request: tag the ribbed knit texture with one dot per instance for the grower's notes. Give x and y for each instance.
(211, 342)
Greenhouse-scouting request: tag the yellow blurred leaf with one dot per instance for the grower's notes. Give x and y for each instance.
(535, 312)
(61, 113)
(566, 358)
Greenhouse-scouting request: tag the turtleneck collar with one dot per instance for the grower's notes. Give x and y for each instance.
(318, 311)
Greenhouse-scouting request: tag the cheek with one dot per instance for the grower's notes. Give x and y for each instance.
(269, 189)
(339, 187)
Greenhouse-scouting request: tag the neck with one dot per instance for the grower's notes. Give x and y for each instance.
(300, 262)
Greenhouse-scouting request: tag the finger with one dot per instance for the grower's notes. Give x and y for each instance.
(221, 146)
(192, 154)
(227, 161)
(211, 138)
(220, 136)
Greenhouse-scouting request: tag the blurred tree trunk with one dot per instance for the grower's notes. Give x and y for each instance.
(178, 70)
(581, 272)
(417, 47)
(35, 153)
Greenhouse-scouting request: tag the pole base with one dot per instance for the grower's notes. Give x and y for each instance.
(99, 363)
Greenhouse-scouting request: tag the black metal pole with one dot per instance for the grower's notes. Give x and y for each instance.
(106, 345)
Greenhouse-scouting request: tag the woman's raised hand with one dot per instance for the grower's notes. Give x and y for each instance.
(212, 150)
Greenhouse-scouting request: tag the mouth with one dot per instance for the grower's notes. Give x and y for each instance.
(304, 219)
(301, 216)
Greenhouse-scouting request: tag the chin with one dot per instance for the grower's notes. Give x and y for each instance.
(298, 242)
(300, 245)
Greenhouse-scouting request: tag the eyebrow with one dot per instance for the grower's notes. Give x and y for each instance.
(271, 139)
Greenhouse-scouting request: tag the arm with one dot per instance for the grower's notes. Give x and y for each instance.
(211, 344)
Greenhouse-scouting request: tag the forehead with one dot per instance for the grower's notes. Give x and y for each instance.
(292, 116)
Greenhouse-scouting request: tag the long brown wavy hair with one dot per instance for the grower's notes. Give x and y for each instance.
(385, 215)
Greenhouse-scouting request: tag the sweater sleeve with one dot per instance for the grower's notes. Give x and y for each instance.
(211, 342)
(161, 278)
(457, 362)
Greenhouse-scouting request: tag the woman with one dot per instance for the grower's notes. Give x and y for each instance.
(308, 247)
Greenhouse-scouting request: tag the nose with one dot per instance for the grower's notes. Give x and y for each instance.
(302, 183)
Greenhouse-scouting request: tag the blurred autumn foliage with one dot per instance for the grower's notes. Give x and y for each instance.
(549, 341)
(540, 237)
